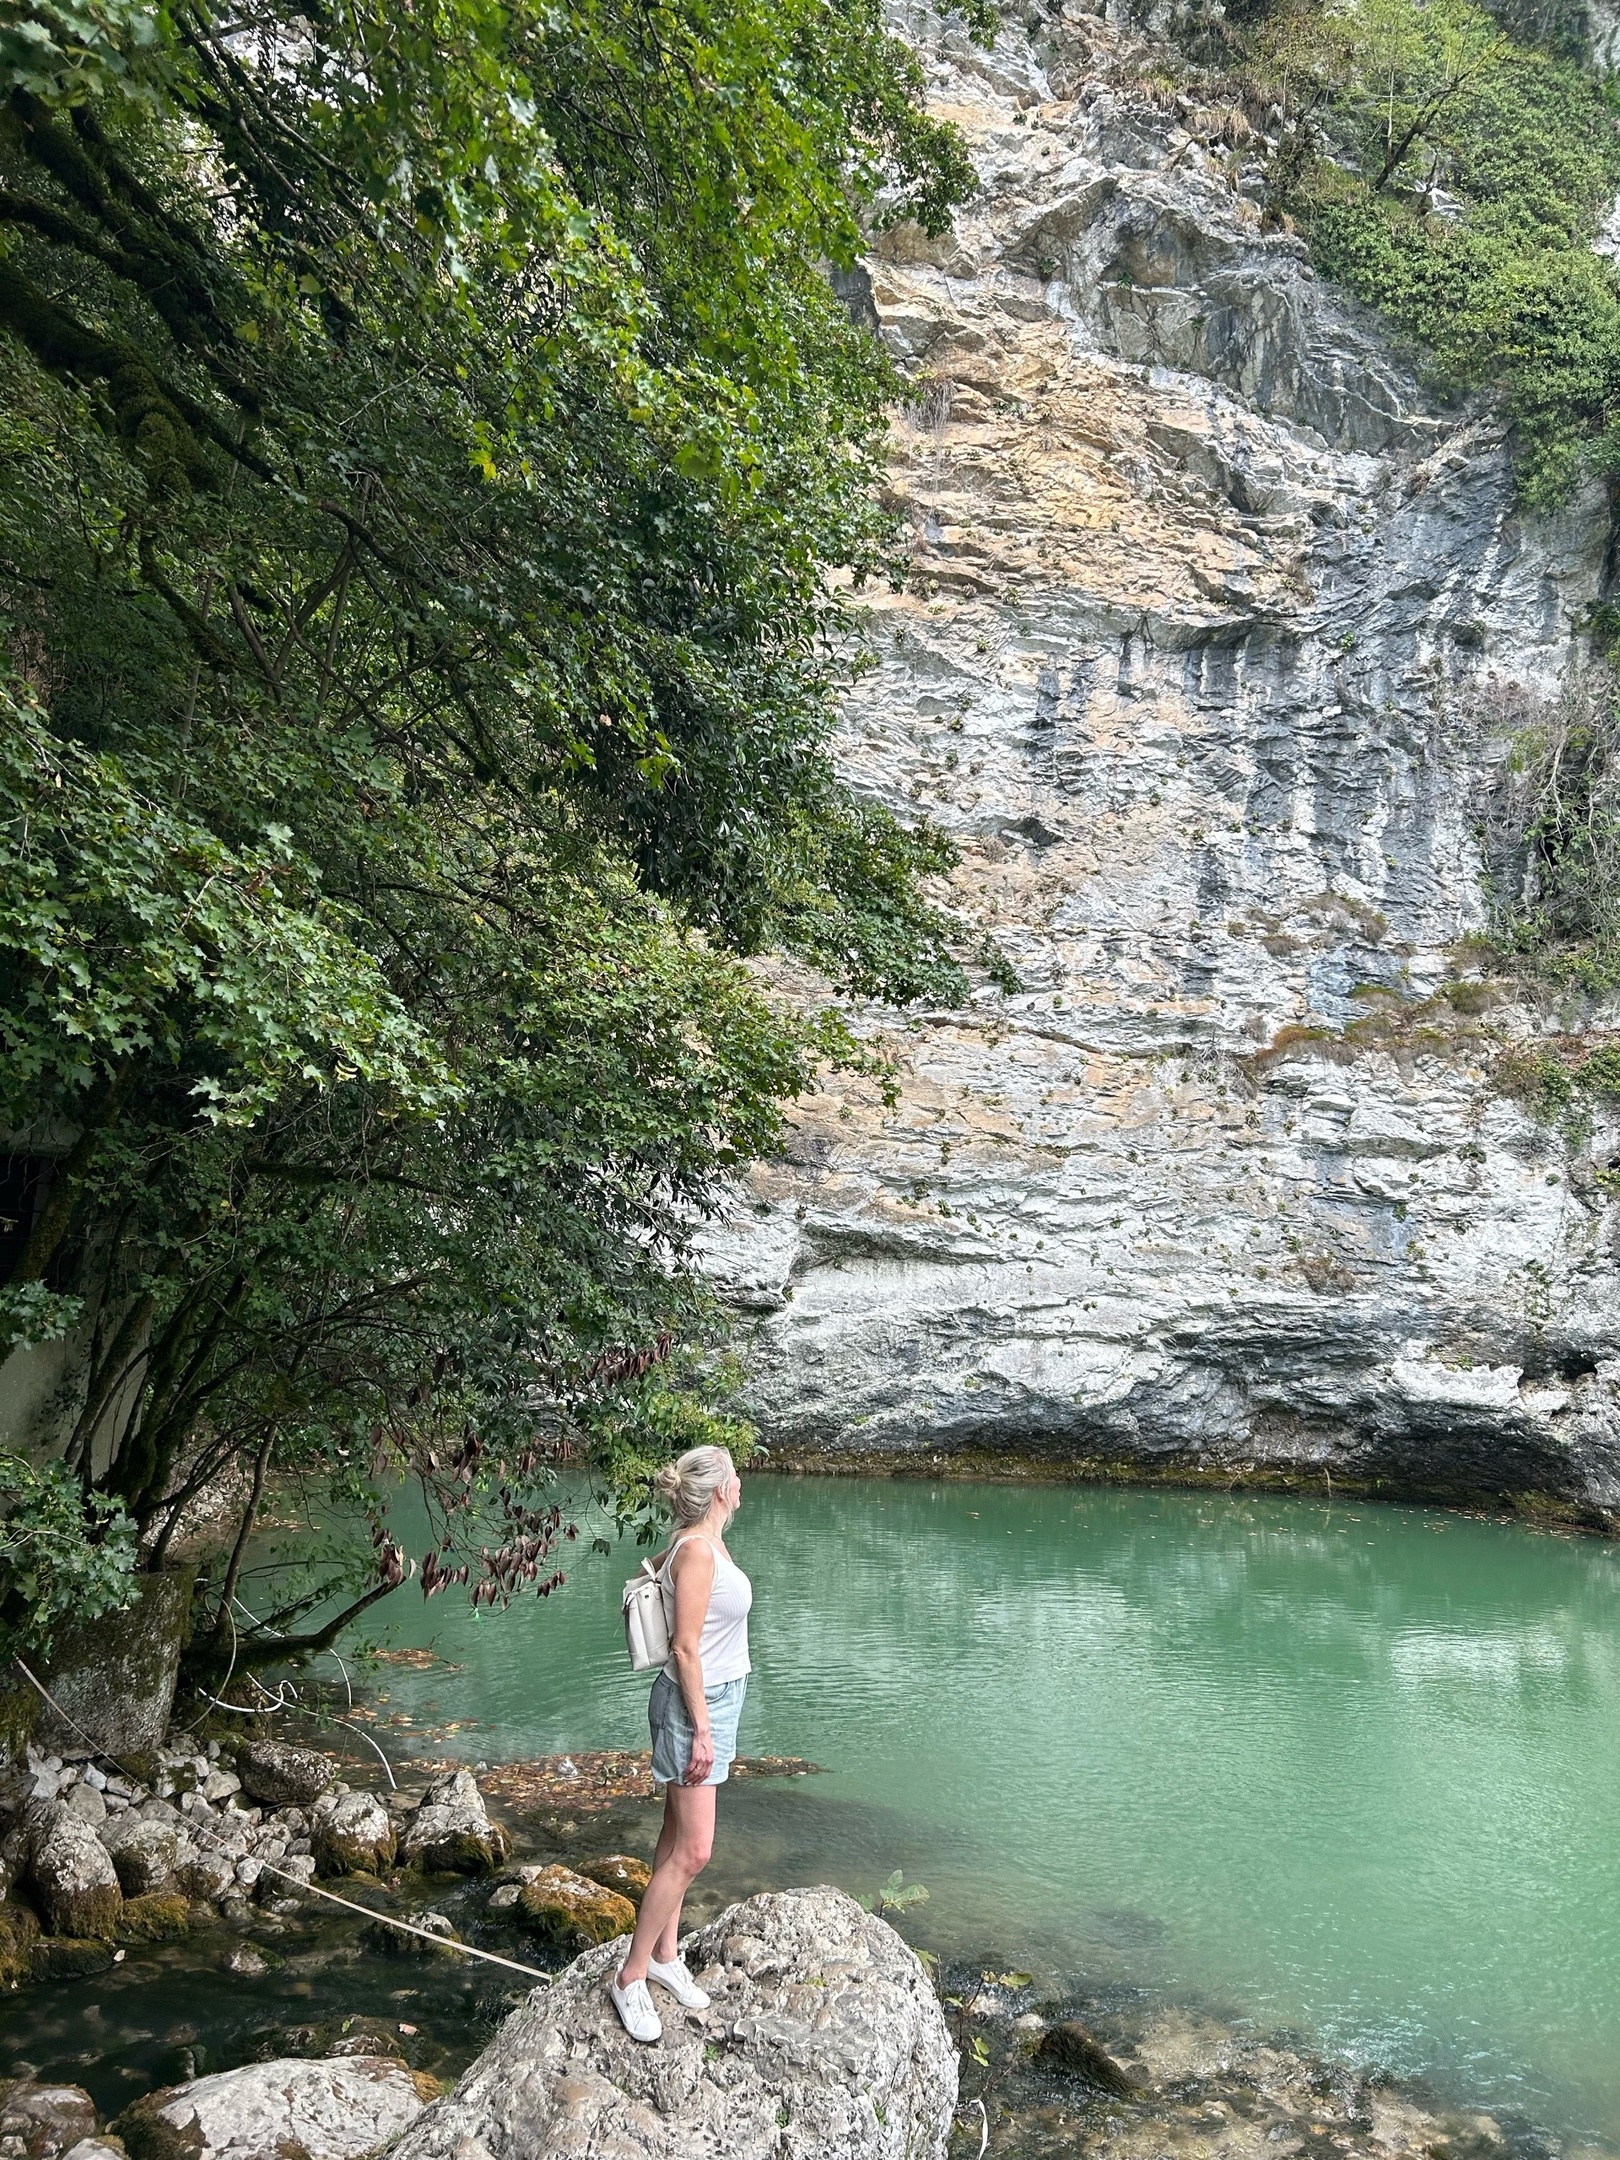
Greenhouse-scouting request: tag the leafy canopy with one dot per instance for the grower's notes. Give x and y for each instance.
(427, 437)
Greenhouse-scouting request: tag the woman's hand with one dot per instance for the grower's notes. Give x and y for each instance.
(702, 1758)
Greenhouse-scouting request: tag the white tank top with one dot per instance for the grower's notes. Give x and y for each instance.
(723, 1645)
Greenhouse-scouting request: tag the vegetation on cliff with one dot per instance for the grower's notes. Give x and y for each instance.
(427, 437)
(1456, 177)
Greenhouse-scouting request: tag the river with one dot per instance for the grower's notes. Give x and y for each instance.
(1346, 1769)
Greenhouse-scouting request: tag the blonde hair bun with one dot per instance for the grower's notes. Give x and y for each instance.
(688, 1485)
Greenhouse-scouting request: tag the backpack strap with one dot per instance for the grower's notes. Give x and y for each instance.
(685, 1538)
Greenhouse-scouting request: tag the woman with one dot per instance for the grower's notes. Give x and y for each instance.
(696, 1702)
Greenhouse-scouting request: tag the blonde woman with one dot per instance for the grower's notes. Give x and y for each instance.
(696, 1702)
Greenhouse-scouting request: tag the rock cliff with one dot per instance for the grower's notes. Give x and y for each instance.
(1218, 628)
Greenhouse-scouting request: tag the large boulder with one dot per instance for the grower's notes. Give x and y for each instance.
(113, 1677)
(824, 2038)
(333, 2110)
(71, 1874)
(277, 1774)
(352, 1835)
(144, 1853)
(451, 1833)
(562, 1907)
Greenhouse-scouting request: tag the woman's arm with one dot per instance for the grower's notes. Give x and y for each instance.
(693, 1573)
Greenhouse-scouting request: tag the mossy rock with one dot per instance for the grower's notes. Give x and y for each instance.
(68, 1957)
(1070, 2047)
(619, 1871)
(159, 1916)
(571, 1910)
(19, 1932)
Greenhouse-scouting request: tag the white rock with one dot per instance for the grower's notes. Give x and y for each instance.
(825, 2039)
(338, 2109)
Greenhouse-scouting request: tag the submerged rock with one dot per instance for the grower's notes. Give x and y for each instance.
(45, 2120)
(570, 1909)
(1070, 2047)
(67, 1957)
(451, 1833)
(71, 1875)
(352, 1836)
(281, 1775)
(332, 2110)
(619, 1871)
(394, 1942)
(824, 2038)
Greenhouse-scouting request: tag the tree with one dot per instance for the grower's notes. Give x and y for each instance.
(428, 433)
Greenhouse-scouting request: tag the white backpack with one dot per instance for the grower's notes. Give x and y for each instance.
(646, 1618)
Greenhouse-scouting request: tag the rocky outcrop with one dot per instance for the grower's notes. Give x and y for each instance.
(1218, 630)
(342, 2109)
(451, 1833)
(824, 2039)
(619, 1871)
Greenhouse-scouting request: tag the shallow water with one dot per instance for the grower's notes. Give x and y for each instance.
(1355, 1770)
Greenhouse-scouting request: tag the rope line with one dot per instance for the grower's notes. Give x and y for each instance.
(268, 1867)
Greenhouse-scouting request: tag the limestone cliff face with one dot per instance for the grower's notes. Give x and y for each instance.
(1218, 627)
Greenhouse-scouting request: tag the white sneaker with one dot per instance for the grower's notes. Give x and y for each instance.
(635, 2007)
(680, 1983)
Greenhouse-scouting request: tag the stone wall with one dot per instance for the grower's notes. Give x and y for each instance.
(1218, 629)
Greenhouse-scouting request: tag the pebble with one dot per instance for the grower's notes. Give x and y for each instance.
(95, 1777)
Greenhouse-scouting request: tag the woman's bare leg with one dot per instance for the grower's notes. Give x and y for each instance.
(684, 1845)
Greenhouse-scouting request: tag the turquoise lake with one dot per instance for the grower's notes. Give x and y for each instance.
(1350, 1770)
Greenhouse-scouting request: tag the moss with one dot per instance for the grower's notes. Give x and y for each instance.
(19, 1708)
(621, 1872)
(19, 1932)
(68, 1957)
(565, 1908)
(159, 1916)
(1071, 2048)
(149, 2135)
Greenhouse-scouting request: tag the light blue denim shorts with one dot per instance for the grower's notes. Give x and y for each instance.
(672, 1729)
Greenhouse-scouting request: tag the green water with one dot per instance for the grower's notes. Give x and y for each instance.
(1352, 1770)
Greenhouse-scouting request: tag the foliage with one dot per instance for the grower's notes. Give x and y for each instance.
(1455, 178)
(896, 1895)
(1556, 835)
(426, 438)
(61, 1558)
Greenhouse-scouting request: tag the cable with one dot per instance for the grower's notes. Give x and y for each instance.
(267, 1867)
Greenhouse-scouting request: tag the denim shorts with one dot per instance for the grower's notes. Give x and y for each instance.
(672, 1729)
